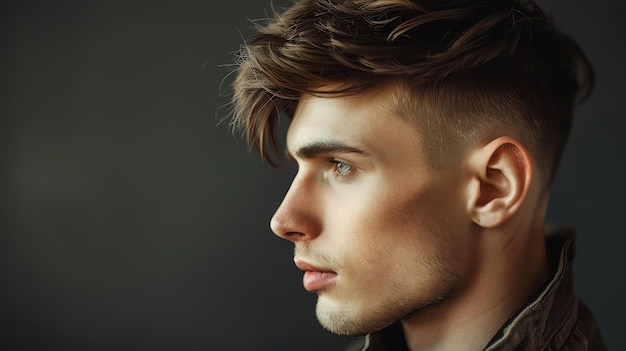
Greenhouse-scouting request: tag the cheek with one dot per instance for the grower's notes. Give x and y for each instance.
(387, 231)
(383, 222)
(417, 227)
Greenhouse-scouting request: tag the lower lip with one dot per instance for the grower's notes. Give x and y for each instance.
(314, 281)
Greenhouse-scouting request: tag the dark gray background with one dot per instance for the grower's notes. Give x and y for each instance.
(131, 221)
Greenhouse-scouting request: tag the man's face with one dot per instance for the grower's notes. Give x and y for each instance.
(379, 234)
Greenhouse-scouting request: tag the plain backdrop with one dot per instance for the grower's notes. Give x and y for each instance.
(132, 220)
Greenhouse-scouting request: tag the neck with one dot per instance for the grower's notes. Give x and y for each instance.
(469, 319)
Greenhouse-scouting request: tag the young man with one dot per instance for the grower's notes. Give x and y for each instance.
(427, 134)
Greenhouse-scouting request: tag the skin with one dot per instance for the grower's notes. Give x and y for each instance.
(399, 241)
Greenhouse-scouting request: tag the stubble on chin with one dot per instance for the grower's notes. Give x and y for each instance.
(343, 319)
(351, 318)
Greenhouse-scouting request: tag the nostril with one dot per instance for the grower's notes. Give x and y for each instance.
(289, 227)
(294, 235)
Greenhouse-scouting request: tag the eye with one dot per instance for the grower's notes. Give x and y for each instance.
(342, 168)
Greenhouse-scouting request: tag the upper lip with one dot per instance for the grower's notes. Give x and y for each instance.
(308, 267)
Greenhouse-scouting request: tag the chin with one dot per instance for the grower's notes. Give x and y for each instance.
(343, 319)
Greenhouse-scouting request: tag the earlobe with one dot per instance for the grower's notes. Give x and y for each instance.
(502, 172)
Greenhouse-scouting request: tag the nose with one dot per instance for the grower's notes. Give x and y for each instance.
(297, 218)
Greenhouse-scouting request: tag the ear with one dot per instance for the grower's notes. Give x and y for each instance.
(502, 173)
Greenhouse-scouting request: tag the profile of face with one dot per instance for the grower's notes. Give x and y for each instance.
(380, 235)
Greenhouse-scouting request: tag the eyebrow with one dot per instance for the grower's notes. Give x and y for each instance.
(320, 147)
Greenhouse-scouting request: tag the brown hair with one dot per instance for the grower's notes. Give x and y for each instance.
(469, 68)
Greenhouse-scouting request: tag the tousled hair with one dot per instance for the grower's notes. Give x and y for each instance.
(466, 69)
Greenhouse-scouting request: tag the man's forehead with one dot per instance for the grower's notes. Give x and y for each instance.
(330, 120)
(360, 125)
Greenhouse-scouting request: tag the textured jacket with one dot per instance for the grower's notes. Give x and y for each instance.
(553, 319)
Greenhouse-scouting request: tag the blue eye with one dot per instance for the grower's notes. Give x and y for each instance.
(342, 168)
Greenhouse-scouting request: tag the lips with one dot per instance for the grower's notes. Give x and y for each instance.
(315, 278)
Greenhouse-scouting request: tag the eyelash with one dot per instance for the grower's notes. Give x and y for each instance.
(337, 172)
